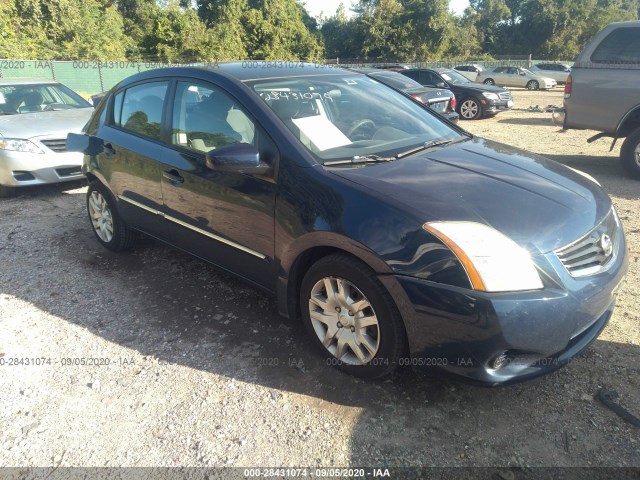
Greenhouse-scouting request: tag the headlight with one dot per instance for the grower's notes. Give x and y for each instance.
(19, 145)
(490, 96)
(493, 262)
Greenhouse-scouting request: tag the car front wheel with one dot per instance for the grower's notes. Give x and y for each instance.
(630, 154)
(109, 228)
(533, 85)
(351, 317)
(470, 109)
(489, 81)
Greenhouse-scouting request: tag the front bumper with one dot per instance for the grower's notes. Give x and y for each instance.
(464, 331)
(491, 107)
(18, 169)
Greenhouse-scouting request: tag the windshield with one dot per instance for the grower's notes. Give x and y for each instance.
(526, 72)
(454, 77)
(396, 80)
(15, 99)
(345, 116)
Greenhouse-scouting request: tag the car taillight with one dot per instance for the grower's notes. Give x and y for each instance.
(453, 103)
(417, 97)
(567, 87)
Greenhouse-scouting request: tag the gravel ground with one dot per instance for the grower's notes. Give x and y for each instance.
(203, 372)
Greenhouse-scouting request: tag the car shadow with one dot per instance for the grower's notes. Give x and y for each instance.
(175, 309)
(534, 121)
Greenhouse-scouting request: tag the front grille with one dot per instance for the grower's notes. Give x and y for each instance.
(439, 106)
(505, 96)
(592, 253)
(57, 145)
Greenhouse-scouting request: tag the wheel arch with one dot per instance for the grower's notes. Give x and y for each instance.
(297, 260)
(629, 123)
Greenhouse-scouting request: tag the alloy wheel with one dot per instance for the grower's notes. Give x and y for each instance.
(469, 109)
(344, 321)
(101, 217)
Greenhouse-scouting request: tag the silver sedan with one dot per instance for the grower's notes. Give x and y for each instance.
(516, 77)
(35, 117)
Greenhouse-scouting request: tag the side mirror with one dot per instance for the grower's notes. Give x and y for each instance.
(87, 144)
(238, 158)
(441, 85)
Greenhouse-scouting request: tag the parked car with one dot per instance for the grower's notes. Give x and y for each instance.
(603, 91)
(35, 117)
(474, 101)
(516, 77)
(558, 71)
(399, 238)
(438, 99)
(470, 72)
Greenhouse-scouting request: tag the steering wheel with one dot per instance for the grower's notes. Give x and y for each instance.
(360, 124)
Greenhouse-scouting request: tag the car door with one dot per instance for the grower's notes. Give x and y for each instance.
(224, 217)
(130, 160)
(499, 75)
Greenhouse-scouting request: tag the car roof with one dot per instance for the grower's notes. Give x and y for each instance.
(258, 69)
(377, 71)
(5, 82)
(243, 71)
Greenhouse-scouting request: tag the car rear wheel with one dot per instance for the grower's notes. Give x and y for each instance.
(489, 81)
(470, 109)
(351, 317)
(109, 228)
(533, 85)
(630, 154)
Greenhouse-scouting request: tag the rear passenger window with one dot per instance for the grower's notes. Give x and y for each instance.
(139, 108)
(620, 46)
(206, 118)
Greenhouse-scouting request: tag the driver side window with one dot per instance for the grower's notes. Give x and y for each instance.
(206, 118)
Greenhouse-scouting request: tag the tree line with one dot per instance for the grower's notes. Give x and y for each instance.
(210, 30)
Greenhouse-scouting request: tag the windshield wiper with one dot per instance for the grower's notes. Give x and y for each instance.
(424, 146)
(360, 159)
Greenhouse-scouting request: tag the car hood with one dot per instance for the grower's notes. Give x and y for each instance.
(28, 125)
(477, 87)
(540, 204)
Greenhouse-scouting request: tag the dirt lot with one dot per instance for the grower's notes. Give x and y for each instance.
(202, 370)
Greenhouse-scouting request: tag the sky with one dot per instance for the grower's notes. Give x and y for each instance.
(329, 7)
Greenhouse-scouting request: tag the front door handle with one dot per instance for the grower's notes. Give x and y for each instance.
(173, 176)
(109, 151)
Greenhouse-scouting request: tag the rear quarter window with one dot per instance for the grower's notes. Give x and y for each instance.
(620, 46)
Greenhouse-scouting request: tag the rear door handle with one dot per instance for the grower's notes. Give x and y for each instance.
(173, 176)
(109, 151)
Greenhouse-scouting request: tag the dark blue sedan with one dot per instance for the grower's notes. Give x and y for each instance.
(397, 237)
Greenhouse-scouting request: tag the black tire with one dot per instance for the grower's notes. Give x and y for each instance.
(489, 81)
(630, 154)
(533, 85)
(6, 192)
(390, 332)
(123, 238)
(472, 109)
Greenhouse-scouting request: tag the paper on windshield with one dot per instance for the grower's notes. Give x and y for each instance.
(321, 132)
